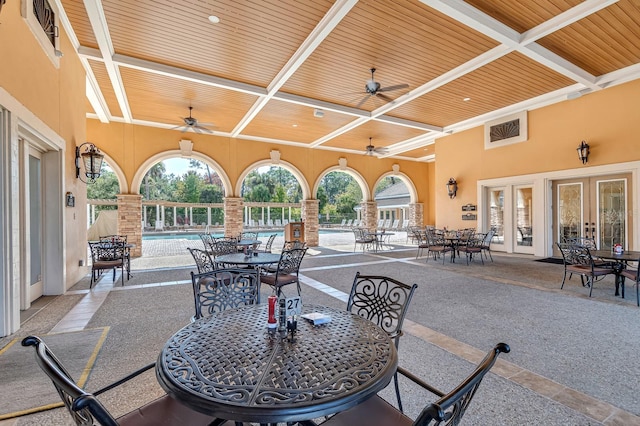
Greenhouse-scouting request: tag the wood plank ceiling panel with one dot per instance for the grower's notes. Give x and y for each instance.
(293, 122)
(405, 40)
(523, 15)
(162, 99)
(420, 152)
(603, 42)
(252, 42)
(382, 134)
(511, 79)
(100, 72)
(79, 20)
(600, 43)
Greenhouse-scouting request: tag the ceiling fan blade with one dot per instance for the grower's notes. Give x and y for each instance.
(363, 101)
(385, 97)
(201, 129)
(390, 88)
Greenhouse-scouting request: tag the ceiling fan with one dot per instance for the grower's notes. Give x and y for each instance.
(372, 88)
(191, 123)
(375, 150)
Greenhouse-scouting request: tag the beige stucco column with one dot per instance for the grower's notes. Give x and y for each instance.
(130, 220)
(233, 211)
(369, 215)
(416, 214)
(309, 215)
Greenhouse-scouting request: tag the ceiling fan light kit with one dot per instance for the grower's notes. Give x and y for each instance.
(191, 123)
(373, 88)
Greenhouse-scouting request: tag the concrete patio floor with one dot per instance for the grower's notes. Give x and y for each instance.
(573, 359)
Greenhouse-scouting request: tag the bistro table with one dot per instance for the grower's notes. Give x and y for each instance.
(379, 238)
(229, 367)
(256, 260)
(619, 265)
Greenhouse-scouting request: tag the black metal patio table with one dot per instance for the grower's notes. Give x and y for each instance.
(621, 260)
(229, 366)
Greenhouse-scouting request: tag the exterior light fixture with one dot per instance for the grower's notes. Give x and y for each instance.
(583, 152)
(452, 188)
(92, 161)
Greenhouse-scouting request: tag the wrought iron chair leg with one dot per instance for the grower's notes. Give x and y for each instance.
(395, 381)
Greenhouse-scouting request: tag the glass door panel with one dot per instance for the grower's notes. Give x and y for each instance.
(34, 216)
(524, 216)
(612, 208)
(496, 214)
(570, 212)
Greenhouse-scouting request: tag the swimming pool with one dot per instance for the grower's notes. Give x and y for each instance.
(196, 236)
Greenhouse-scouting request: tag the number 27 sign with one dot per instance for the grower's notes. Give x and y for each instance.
(293, 306)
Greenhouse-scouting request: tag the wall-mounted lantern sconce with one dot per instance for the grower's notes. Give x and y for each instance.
(583, 152)
(452, 188)
(92, 160)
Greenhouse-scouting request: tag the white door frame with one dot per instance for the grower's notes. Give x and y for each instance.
(543, 201)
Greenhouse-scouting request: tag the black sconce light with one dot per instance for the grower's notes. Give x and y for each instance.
(583, 152)
(452, 188)
(92, 160)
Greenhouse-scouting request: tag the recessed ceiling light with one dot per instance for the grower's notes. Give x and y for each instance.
(466, 99)
(214, 19)
(294, 125)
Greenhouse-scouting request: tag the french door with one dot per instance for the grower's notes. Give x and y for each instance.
(32, 231)
(593, 207)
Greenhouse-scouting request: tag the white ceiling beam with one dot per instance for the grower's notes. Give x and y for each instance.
(479, 21)
(101, 32)
(352, 125)
(328, 22)
(97, 101)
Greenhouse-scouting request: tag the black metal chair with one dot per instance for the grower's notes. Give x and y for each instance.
(127, 253)
(106, 256)
(363, 238)
(84, 407)
(472, 245)
(385, 302)
(204, 263)
(286, 272)
(207, 241)
(421, 238)
(486, 243)
(221, 289)
(447, 410)
(294, 244)
(634, 275)
(437, 245)
(268, 245)
(577, 260)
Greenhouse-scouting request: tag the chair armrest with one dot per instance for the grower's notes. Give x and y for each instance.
(420, 382)
(125, 379)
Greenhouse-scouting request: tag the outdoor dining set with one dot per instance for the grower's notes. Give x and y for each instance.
(228, 366)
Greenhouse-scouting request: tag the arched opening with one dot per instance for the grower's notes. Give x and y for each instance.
(181, 194)
(102, 203)
(272, 195)
(339, 194)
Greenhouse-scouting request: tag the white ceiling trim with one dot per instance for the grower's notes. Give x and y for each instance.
(319, 33)
(101, 32)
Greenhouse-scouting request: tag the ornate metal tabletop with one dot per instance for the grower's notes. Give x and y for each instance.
(228, 366)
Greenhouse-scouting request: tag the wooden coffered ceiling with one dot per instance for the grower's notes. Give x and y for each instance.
(265, 69)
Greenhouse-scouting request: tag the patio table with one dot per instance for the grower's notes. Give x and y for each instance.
(229, 367)
(621, 261)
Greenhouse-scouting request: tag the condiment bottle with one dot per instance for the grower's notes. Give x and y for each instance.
(272, 322)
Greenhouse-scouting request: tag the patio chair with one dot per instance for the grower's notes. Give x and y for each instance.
(249, 236)
(472, 245)
(127, 252)
(203, 260)
(269, 244)
(438, 245)
(221, 289)
(286, 272)
(295, 244)
(447, 410)
(207, 241)
(363, 238)
(385, 302)
(634, 275)
(577, 260)
(106, 256)
(85, 408)
(486, 243)
(421, 238)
